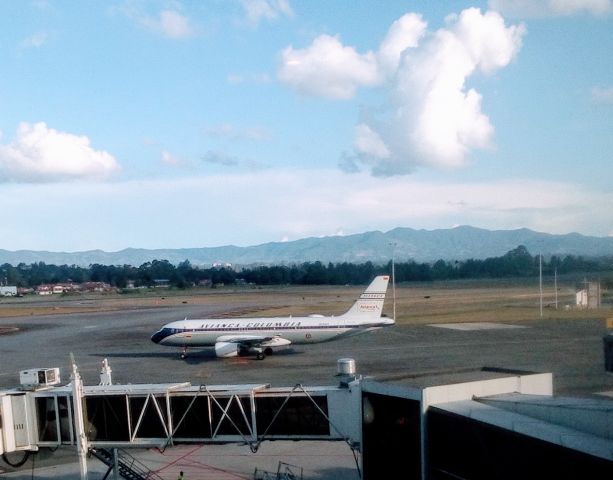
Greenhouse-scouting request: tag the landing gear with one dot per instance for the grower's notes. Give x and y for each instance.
(184, 353)
(260, 354)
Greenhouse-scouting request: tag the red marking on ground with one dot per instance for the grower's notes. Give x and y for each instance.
(196, 470)
(180, 458)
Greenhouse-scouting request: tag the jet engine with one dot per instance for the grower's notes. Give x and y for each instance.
(226, 349)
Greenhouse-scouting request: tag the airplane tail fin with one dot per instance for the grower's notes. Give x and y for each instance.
(370, 303)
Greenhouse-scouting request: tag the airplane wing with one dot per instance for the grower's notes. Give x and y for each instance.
(231, 345)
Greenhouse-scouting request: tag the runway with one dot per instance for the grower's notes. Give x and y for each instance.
(571, 349)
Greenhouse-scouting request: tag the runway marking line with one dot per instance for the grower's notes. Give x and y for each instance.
(475, 326)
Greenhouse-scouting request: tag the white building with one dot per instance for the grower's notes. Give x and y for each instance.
(8, 291)
(582, 298)
(589, 297)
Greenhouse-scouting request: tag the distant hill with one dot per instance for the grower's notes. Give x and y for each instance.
(458, 243)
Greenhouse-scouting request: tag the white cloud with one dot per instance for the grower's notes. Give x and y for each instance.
(369, 142)
(258, 10)
(404, 33)
(224, 159)
(432, 118)
(114, 217)
(35, 41)
(170, 159)
(169, 23)
(329, 69)
(42, 154)
(602, 95)
(437, 121)
(550, 8)
(220, 158)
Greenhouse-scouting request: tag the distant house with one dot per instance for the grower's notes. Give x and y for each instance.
(70, 287)
(95, 287)
(60, 288)
(7, 291)
(44, 290)
(222, 265)
(161, 282)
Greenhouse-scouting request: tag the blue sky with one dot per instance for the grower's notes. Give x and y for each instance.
(166, 124)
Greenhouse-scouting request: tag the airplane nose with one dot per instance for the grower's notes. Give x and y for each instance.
(163, 333)
(158, 336)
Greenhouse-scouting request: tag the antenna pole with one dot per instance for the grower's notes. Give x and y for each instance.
(555, 283)
(393, 282)
(394, 287)
(541, 281)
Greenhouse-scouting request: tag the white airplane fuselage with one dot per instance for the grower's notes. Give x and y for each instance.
(298, 330)
(234, 336)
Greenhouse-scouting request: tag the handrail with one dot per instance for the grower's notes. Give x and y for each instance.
(129, 467)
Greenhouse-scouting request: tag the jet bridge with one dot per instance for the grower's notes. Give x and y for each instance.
(159, 415)
(483, 424)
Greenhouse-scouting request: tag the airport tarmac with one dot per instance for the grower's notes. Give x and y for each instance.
(320, 460)
(410, 354)
(571, 349)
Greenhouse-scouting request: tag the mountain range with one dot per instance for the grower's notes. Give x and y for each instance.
(457, 243)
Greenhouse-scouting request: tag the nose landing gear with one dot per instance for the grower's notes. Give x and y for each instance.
(261, 353)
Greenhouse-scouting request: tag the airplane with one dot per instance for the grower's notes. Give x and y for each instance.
(232, 337)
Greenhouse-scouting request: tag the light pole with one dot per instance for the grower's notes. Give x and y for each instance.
(541, 282)
(393, 245)
(555, 284)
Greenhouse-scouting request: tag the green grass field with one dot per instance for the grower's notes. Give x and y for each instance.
(416, 303)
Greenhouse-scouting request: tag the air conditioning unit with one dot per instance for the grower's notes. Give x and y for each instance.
(39, 377)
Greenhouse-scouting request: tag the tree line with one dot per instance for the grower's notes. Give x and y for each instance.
(515, 263)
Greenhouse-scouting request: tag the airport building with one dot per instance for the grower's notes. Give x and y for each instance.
(479, 424)
(590, 296)
(7, 291)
